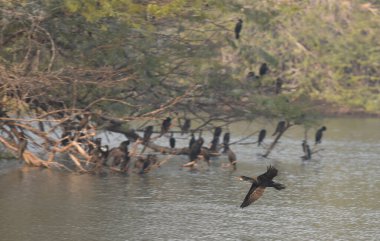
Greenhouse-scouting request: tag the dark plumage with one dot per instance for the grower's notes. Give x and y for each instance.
(259, 184)
(319, 134)
(306, 150)
(147, 133)
(186, 126)
(165, 126)
(262, 135)
(263, 69)
(195, 149)
(192, 140)
(172, 141)
(226, 142)
(217, 131)
(214, 144)
(238, 27)
(280, 127)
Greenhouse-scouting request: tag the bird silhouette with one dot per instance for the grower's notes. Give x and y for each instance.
(238, 27)
(262, 135)
(280, 127)
(172, 141)
(165, 126)
(186, 126)
(226, 141)
(259, 184)
(319, 134)
(263, 69)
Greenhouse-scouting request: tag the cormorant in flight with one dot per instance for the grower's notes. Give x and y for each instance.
(318, 135)
(259, 184)
(238, 28)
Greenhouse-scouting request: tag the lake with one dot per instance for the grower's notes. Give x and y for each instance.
(334, 196)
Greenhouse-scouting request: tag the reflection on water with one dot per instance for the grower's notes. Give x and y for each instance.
(333, 197)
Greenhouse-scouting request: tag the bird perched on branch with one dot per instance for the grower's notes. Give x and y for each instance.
(192, 140)
(238, 27)
(172, 141)
(280, 127)
(147, 133)
(262, 135)
(165, 126)
(186, 126)
(319, 134)
(259, 184)
(226, 142)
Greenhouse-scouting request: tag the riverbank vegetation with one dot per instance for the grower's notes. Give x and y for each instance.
(70, 69)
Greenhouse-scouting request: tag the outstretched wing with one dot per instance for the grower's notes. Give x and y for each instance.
(269, 175)
(253, 194)
(248, 179)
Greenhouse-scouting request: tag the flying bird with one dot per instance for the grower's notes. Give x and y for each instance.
(238, 28)
(259, 184)
(319, 134)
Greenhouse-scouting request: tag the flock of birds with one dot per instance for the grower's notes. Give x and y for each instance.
(119, 158)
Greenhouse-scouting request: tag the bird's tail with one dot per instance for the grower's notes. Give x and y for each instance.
(278, 186)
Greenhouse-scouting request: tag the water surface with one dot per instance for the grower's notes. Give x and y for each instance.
(335, 196)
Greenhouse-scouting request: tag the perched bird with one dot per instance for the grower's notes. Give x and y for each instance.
(147, 133)
(263, 69)
(319, 134)
(192, 140)
(259, 184)
(165, 126)
(217, 131)
(186, 126)
(262, 135)
(215, 139)
(195, 149)
(280, 127)
(226, 142)
(172, 141)
(238, 28)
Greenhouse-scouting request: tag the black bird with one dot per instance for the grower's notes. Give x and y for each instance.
(192, 140)
(262, 135)
(280, 127)
(259, 184)
(186, 126)
(238, 28)
(165, 126)
(217, 131)
(226, 142)
(263, 69)
(147, 133)
(318, 135)
(195, 149)
(172, 141)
